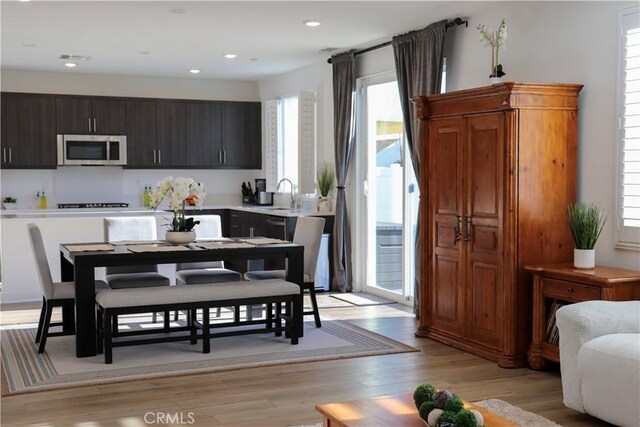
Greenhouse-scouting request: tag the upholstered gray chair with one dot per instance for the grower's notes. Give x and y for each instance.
(139, 276)
(54, 294)
(195, 273)
(308, 233)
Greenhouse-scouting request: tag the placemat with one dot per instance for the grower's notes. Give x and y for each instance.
(233, 245)
(90, 248)
(133, 242)
(171, 248)
(263, 241)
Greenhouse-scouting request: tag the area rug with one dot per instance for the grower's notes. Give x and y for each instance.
(24, 370)
(362, 299)
(515, 414)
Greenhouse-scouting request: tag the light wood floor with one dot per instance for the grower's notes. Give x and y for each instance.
(285, 395)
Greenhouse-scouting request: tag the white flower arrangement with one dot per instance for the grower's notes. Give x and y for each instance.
(178, 191)
(496, 39)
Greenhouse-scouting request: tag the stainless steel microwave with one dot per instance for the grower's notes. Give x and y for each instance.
(92, 150)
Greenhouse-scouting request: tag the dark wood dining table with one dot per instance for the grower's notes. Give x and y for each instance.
(79, 267)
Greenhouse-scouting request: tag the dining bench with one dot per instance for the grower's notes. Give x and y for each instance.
(117, 302)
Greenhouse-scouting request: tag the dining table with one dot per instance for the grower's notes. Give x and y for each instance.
(78, 262)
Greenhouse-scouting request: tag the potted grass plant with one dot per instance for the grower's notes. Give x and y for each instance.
(326, 177)
(586, 222)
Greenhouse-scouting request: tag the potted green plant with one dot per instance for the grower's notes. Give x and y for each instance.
(586, 222)
(326, 176)
(9, 202)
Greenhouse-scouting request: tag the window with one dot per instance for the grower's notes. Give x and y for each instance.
(290, 140)
(628, 179)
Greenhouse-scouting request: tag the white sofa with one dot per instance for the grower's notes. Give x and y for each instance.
(600, 359)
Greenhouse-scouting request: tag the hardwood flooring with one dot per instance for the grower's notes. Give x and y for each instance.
(285, 395)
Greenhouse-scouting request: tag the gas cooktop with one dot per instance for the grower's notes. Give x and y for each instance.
(92, 205)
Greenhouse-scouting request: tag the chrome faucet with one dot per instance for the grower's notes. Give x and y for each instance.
(291, 184)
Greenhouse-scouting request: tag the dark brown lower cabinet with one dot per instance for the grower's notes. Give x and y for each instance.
(499, 167)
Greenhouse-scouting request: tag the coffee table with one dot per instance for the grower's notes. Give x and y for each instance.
(393, 411)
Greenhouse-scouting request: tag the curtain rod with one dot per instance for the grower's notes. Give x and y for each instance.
(453, 23)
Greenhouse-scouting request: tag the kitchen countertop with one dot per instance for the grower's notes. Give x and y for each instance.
(98, 212)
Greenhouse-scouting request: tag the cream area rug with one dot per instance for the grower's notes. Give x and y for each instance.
(519, 416)
(362, 299)
(24, 370)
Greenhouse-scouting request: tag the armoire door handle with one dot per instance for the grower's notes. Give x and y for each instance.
(457, 229)
(467, 231)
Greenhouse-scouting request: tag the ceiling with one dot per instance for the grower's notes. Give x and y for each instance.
(268, 37)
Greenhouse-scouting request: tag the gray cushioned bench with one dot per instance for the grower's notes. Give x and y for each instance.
(203, 297)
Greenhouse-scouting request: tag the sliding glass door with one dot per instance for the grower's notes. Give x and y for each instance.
(388, 193)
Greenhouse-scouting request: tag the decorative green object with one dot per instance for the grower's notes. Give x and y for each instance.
(423, 393)
(425, 409)
(453, 404)
(586, 222)
(441, 397)
(326, 176)
(447, 417)
(466, 418)
(9, 200)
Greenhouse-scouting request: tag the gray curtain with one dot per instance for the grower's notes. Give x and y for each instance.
(344, 83)
(418, 59)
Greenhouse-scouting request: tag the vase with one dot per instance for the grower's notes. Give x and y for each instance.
(584, 258)
(323, 204)
(180, 237)
(493, 80)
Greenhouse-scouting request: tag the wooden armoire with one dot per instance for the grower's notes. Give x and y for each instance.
(498, 167)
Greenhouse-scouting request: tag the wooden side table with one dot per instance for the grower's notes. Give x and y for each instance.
(395, 410)
(561, 284)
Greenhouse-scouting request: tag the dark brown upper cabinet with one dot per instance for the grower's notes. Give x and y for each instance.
(204, 135)
(171, 132)
(28, 131)
(142, 140)
(84, 115)
(241, 135)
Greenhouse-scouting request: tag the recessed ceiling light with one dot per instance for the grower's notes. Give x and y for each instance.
(230, 55)
(178, 11)
(144, 52)
(312, 23)
(70, 64)
(194, 71)
(253, 59)
(28, 44)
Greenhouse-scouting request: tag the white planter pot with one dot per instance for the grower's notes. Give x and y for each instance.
(323, 204)
(584, 258)
(180, 237)
(493, 80)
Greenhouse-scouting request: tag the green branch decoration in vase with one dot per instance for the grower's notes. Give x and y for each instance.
(586, 222)
(178, 192)
(495, 39)
(326, 177)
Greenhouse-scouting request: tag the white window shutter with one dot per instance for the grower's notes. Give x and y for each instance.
(307, 142)
(272, 157)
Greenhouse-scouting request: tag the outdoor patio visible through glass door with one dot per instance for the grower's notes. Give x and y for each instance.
(389, 196)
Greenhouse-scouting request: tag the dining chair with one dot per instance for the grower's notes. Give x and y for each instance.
(196, 273)
(138, 276)
(308, 233)
(54, 294)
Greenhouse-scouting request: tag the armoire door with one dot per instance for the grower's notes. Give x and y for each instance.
(445, 263)
(483, 228)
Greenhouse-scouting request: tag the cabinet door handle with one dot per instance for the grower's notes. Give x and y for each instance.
(467, 231)
(250, 231)
(457, 229)
(89, 120)
(4, 155)
(220, 157)
(95, 128)
(154, 157)
(159, 157)
(224, 157)
(10, 155)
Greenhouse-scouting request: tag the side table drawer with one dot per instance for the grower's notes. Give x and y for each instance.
(569, 291)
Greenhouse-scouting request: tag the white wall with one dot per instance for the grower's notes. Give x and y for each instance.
(112, 184)
(564, 42)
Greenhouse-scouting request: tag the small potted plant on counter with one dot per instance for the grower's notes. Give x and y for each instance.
(586, 222)
(9, 202)
(326, 176)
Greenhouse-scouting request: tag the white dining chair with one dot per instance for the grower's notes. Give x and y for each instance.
(54, 294)
(308, 233)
